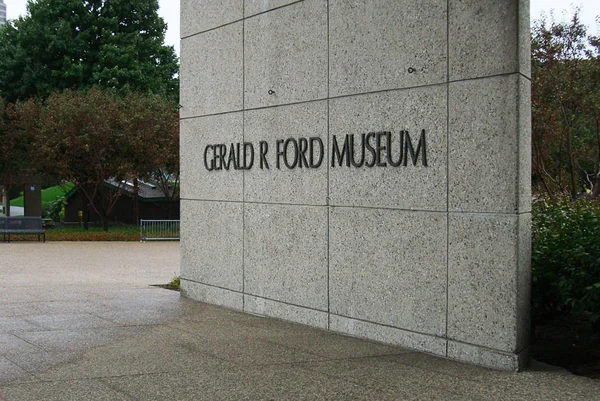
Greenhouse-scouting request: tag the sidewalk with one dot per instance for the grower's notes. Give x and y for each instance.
(80, 321)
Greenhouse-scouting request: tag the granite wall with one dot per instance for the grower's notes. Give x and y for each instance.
(362, 167)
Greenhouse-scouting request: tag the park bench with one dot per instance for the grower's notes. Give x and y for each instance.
(21, 226)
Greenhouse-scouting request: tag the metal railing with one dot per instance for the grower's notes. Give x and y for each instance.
(159, 230)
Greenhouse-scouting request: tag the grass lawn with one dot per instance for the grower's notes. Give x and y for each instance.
(115, 233)
(48, 194)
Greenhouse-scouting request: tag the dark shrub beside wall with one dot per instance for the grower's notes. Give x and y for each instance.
(566, 258)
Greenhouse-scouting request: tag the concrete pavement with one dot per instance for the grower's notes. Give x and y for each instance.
(81, 321)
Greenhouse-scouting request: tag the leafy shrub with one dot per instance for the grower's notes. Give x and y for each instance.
(56, 208)
(566, 257)
(46, 210)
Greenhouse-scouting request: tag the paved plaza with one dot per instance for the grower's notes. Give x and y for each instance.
(82, 321)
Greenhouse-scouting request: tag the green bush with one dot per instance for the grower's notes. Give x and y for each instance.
(566, 257)
(45, 210)
(56, 208)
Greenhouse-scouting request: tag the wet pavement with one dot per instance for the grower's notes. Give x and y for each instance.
(82, 321)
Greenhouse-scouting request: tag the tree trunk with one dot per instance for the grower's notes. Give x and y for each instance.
(596, 185)
(86, 205)
(571, 166)
(596, 188)
(560, 162)
(169, 209)
(598, 138)
(537, 165)
(104, 218)
(136, 197)
(6, 200)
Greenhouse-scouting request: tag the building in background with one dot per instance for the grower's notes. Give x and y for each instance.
(152, 203)
(2, 12)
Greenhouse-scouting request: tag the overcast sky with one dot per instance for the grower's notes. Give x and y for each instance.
(169, 10)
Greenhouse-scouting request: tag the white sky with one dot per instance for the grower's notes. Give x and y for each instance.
(169, 10)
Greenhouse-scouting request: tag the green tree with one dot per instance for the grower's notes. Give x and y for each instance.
(153, 144)
(594, 110)
(17, 156)
(76, 44)
(565, 71)
(89, 138)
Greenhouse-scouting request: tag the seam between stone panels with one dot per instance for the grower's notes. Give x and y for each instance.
(212, 200)
(288, 104)
(238, 20)
(448, 81)
(212, 285)
(243, 140)
(211, 114)
(284, 204)
(328, 210)
(17, 334)
(502, 214)
(441, 212)
(523, 350)
(388, 90)
(286, 303)
(254, 202)
(388, 326)
(306, 365)
(519, 351)
(525, 76)
(505, 214)
(350, 207)
(494, 350)
(242, 19)
(518, 146)
(500, 75)
(447, 169)
(519, 294)
(115, 387)
(273, 9)
(211, 29)
(256, 296)
(15, 361)
(328, 176)
(319, 310)
(518, 36)
(315, 100)
(350, 95)
(254, 108)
